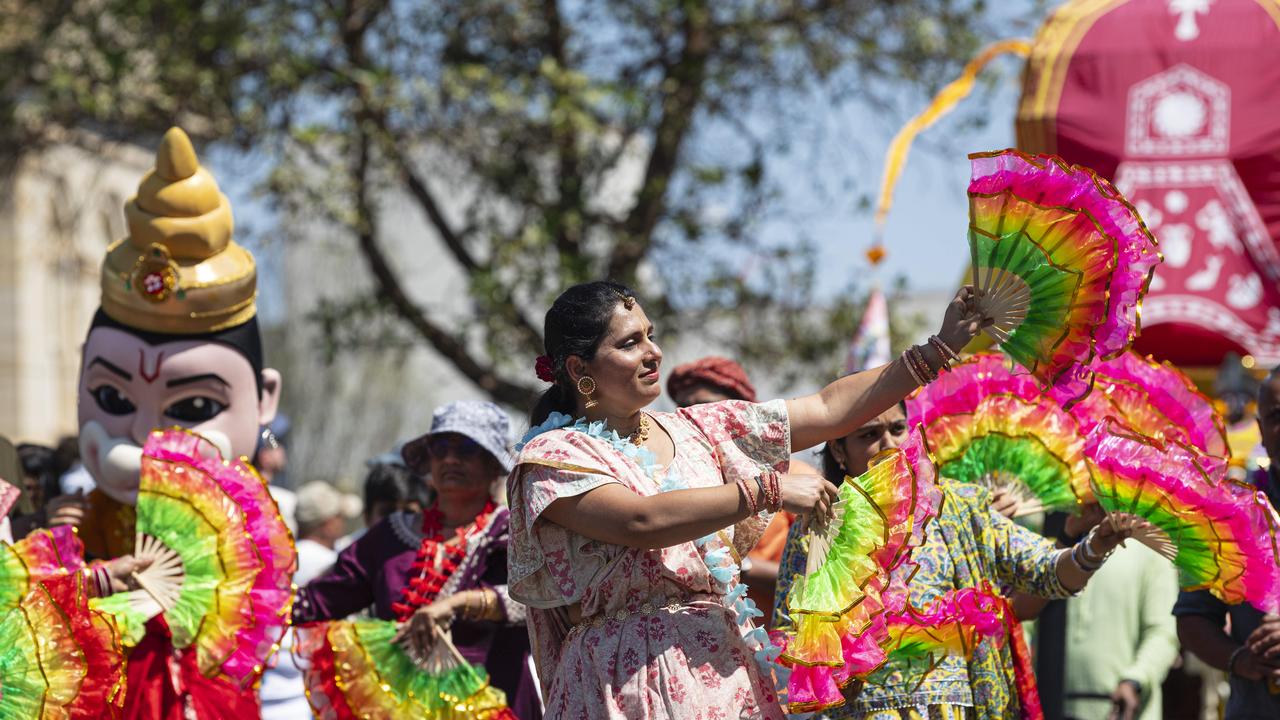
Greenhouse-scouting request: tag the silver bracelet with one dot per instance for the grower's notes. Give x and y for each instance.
(1077, 557)
(1087, 551)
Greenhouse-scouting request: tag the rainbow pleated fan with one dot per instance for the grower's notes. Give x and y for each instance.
(222, 558)
(354, 671)
(951, 625)
(880, 517)
(1061, 262)
(1155, 399)
(58, 657)
(42, 555)
(1221, 534)
(986, 424)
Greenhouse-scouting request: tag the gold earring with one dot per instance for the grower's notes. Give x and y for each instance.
(587, 391)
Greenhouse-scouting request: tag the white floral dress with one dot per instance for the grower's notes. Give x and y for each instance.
(656, 639)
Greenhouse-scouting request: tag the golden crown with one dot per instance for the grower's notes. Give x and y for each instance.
(179, 271)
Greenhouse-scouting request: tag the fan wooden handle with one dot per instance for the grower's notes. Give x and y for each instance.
(148, 589)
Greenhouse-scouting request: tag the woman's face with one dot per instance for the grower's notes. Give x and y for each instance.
(461, 470)
(856, 449)
(626, 365)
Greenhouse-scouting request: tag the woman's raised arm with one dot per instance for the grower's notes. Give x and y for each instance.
(848, 403)
(615, 514)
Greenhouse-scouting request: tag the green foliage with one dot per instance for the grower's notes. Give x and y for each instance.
(546, 142)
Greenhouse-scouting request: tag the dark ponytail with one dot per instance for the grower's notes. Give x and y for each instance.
(575, 325)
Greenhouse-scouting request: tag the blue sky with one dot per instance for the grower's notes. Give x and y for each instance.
(925, 234)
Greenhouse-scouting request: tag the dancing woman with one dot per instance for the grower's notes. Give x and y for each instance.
(627, 525)
(971, 544)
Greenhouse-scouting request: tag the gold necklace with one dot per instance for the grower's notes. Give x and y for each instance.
(641, 433)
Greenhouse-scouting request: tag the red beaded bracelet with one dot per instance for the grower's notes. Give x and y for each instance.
(752, 507)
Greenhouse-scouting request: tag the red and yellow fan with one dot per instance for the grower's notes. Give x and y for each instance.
(58, 657)
(354, 671)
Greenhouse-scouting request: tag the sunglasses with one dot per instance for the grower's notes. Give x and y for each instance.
(462, 447)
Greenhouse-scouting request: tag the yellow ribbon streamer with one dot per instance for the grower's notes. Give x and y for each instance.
(943, 103)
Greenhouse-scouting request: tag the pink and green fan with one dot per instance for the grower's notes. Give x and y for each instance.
(1155, 399)
(1060, 261)
(880, 517)
(355, 671)
(988, 425)
(1220, 534)
(950, 625)
(41, 555)
(58, 657)
(222, 558)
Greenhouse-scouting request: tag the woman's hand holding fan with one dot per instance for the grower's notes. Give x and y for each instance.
(1221, 533)
(853, 562)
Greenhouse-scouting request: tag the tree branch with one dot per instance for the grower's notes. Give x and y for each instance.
(567, 235)
(389, 287)
(679, 106)
(454, 240)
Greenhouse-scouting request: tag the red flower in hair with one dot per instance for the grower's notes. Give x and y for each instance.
(546, 371)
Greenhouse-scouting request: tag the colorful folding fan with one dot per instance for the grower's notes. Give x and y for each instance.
(1060, 261)
(1223, 532)
(1153, 398)
(59, 658)
(41, 555)
(222, 557)
(952, 624)
(879, 517)
(986, 424)
(354, 670)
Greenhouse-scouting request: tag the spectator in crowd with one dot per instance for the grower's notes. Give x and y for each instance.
(389, 487)
(444, 566)
(713, 379)
(1250, 651)
(322, 516)
(271, 459)
(73, 476)
(39, 473)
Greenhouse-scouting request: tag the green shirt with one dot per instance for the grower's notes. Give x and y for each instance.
(1120, 628)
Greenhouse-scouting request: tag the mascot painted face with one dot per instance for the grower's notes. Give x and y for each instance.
(176, 341)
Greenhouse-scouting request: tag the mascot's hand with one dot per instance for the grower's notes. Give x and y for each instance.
(121, 571)
(67, 509)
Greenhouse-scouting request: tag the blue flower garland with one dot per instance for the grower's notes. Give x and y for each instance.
(719, 562)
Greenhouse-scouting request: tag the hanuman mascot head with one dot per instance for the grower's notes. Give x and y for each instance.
(176, 340)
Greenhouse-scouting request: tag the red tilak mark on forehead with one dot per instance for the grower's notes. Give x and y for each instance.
(142, 366)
